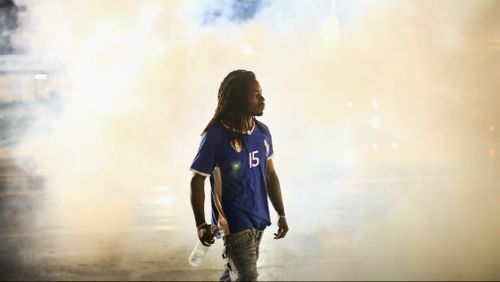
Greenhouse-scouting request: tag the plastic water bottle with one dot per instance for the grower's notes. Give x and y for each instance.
(198, 254)
(200, 250)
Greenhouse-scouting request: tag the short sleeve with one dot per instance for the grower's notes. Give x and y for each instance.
(269, 144)
(205, 160)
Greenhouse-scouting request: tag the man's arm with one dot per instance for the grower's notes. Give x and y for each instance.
(198, 205)
(274, 192)
(198, 198)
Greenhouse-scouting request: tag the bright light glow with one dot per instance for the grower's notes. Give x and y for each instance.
(160, 188)
(375, 145)
(165, 200)
(152, 55)
(330, 32)
(394, 145)
(350, 104)
(236, 165)
(161, 49)
(148, 16)
(375, 104)
(247, 50)
(375, 122)
(349, 156)
(41, 76)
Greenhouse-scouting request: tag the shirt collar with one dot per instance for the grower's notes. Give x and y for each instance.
(242, 132)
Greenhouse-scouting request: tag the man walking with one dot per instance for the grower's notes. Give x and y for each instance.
(236, 153)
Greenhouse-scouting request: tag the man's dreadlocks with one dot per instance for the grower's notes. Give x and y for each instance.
(233, 100)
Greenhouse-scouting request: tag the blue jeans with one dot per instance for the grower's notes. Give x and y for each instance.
(241, 252)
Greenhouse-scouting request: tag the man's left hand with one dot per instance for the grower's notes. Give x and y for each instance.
(282, 228)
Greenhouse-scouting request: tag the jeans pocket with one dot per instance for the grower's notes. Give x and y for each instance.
(241, 241)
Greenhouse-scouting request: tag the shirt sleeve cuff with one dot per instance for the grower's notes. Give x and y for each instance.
(199, 172)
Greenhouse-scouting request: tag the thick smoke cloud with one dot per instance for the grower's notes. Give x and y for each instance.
(384, 122)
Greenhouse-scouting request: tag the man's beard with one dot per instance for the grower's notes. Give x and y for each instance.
(256, 112)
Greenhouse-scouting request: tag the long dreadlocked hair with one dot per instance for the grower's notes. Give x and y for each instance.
(233, 99)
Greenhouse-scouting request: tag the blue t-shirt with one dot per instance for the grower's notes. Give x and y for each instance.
(242, 161)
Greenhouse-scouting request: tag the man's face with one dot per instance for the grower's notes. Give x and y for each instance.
(256, 100)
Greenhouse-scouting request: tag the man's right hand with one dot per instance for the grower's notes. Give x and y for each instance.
(206, 234)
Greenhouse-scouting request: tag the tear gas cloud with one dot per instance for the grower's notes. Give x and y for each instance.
(384, 118)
